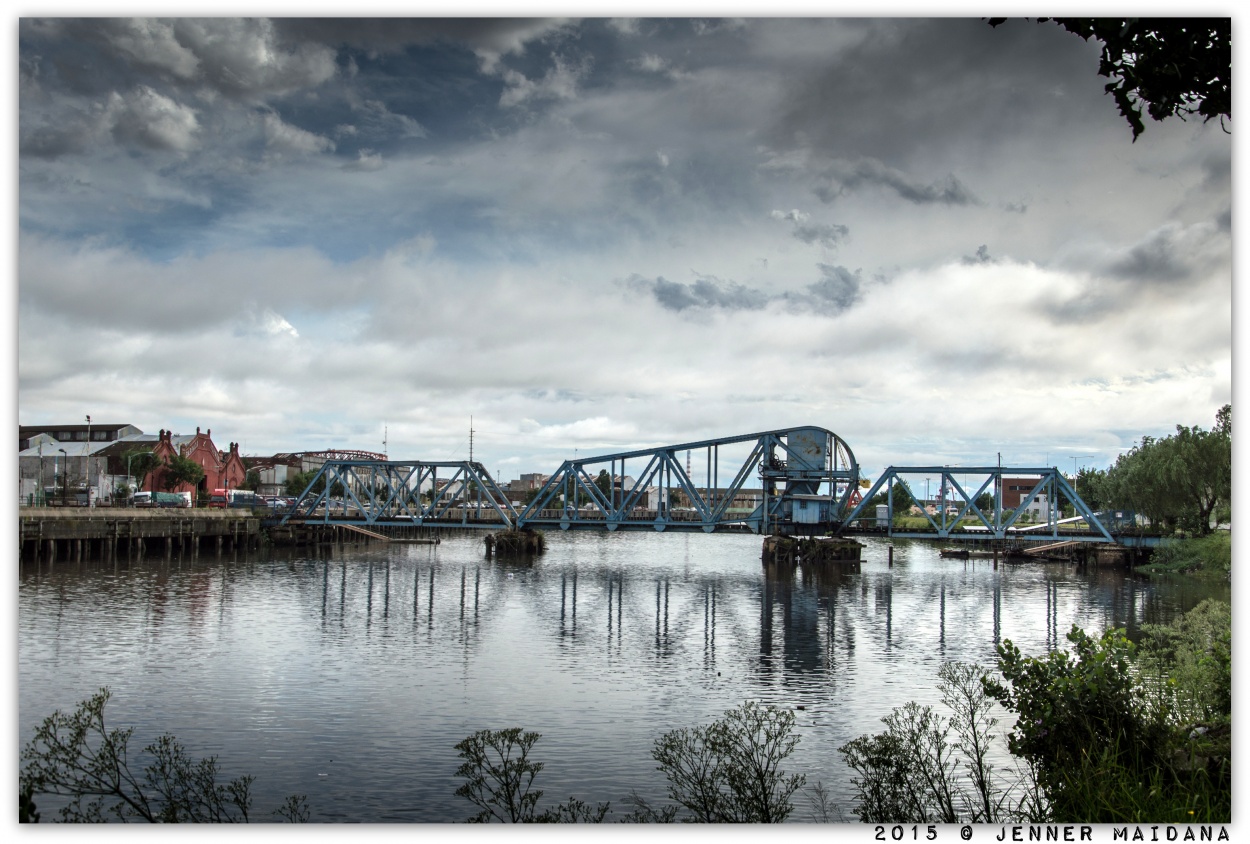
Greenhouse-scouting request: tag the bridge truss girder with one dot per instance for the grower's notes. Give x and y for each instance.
(797, 461)
(999, 523)
(391, 492)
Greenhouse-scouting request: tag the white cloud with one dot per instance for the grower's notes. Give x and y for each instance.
(149, 119)
(559, 83)
(282, 137)
(153, 43)
(367, 161)
(244, 56)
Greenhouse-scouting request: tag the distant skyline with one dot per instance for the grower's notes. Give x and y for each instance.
(933, 237)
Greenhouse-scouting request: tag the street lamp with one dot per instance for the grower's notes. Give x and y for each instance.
(64, 476)
(87, 449)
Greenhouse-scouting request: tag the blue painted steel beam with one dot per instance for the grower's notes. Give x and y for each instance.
(1049, 481)
(789, 462)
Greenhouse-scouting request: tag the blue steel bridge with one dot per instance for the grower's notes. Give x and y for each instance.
(796, 481)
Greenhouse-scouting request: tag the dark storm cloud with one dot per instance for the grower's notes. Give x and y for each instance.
(906, 80)
(837, 290)
(1158, 260)
(849, 177)
(489, 36)
(982, 257)
(704, 293)
(243, 58)
(827, 235)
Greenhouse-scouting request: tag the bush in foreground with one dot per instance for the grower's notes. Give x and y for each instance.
(78, 757)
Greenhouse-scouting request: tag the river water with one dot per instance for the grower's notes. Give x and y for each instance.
(349, 674)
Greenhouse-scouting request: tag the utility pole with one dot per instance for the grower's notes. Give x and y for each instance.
(87, 451)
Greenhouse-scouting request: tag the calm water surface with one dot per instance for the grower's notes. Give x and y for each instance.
(349, 674)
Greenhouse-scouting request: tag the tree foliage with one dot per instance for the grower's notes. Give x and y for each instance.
(1178, 481)
(902, 499)
(1188, 663)
(141, 463)
(1076, 710)
(1090, 485)
(604, 482)
(182, 470)
(77, 756)
(1172, 66)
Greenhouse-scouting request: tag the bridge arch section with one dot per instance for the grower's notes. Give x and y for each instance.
(793, 480)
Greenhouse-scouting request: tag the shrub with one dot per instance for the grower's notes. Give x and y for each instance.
(77, 756)
(499, 777)
(1077, 705)
(730, 770)
(911, 772)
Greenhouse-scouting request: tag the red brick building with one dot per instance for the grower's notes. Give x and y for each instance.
(222, 470)
(1015, 489)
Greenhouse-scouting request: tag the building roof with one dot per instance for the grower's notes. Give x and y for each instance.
(105, 449)
(25, 431)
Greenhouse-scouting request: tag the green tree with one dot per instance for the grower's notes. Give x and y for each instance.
(1178, 481)
(297, 483)
(182, 470)
(251, 481)
(1172, 66)
(1090, 484)
(79, 757)
(141, 464)
(902, 499)
(604, 482)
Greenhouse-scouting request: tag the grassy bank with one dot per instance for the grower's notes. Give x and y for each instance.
(1208, 556)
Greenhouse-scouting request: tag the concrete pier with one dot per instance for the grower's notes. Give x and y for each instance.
(46, 533)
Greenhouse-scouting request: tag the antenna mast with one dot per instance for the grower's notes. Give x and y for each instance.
(470, 439)
(384, 453)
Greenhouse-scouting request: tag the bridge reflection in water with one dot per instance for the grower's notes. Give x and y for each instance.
(368, 664)
(804, 619)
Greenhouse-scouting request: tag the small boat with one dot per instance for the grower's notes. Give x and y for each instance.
(960, 553)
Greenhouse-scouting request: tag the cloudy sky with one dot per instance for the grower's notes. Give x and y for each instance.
(936, 238)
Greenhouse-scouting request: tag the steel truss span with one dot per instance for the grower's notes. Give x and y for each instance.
(402, 492)
(959, 490)
(773, 479)
(795, 481)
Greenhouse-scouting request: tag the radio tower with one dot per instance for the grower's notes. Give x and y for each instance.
(687, 463)
(470, 439)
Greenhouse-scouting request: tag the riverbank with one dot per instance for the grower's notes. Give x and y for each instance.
(1204, 556)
